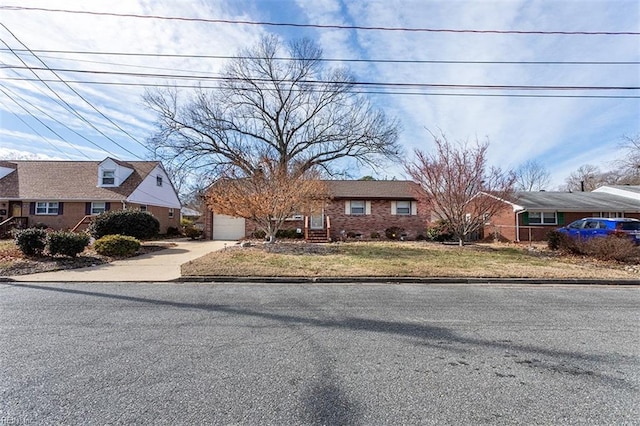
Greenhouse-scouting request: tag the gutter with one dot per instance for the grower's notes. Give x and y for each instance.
(518, 224)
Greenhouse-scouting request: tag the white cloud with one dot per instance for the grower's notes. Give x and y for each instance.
(559, 132)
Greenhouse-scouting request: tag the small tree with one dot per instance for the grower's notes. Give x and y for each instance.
(268, 197)
(461, 189)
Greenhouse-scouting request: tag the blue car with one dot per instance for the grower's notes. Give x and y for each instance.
(591, 227)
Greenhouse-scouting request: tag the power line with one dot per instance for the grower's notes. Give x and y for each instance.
(77, 93)
(388, 61)
(321, 26)
(359, 91)
(44, 124)
(59, 122)
(320, 82)
(71, 108)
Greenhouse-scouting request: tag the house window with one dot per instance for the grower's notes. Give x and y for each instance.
(47, 207)
(158, 180)
(357, 207)
(98, 208)
(543, 218)
(403, 207)
(170, 213)
(611, 215)
(143, 207)
(108, 177)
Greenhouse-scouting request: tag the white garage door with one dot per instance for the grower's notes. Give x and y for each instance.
(227, 227)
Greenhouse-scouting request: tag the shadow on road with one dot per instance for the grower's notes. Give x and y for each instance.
(324, 401)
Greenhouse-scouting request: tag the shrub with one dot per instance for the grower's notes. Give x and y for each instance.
(135, 223)
(31, 241)
(259, 234)
(116, 245)
(172, 231)
(439, 232)
(557, 240)
(67, 243)
(394, 233)
(611, 247)
(375, 235)
(192, 232)
(289, 233)
(420, 237)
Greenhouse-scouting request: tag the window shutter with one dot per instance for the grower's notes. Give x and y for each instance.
(32, 208)
(393, 208)
(560, 217)
(367, 207)
(107, 207)
(347, 207)
(87, 208)
(414, 208)
(60, 209)
(525, 218)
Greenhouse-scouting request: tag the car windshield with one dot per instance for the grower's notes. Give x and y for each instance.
(629, 226)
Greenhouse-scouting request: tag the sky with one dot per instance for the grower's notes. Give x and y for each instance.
(561, 128)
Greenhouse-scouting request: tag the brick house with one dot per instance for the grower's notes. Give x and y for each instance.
(65, 194)
(531, 215)
(356, 208)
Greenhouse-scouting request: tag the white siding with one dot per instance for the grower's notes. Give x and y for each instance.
(148, 192)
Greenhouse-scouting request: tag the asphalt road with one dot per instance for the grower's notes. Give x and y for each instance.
(318, 354)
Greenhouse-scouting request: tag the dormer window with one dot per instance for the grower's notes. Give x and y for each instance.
(159, 180)
(108, 177)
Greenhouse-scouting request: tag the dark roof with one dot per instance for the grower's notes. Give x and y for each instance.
(591, 202)
(373, 189)
(68, 180)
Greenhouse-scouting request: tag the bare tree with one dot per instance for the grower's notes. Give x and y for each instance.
(268, 197)
(629, 164)
(459, 185)
(532, 176)
(587, 178)
(292, 111)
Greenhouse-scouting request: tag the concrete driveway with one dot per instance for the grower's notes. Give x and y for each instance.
(163, 265)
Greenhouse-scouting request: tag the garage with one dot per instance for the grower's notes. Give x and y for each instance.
(227, 227)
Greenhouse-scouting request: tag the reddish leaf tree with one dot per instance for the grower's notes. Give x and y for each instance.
(267, 197)
(459, 186)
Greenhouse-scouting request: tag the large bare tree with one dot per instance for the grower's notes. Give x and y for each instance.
(459, 185)
(532, 176)
(272, 101)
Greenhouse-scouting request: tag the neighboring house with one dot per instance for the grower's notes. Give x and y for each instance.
(65, 194)
(356, 208)
(531, 215)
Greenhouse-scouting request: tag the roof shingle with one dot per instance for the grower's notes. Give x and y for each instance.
(67, 180)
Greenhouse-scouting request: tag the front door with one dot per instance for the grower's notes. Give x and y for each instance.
(317, 220)
(16, 209)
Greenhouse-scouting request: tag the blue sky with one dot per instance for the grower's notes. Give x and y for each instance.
(562, 133)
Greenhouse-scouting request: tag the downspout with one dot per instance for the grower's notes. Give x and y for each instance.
(518, 224)
(124, 205)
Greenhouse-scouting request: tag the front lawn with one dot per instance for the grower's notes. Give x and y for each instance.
(401, 259)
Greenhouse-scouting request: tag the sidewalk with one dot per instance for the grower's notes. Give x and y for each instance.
(163, 265)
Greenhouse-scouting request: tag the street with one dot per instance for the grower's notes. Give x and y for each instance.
(193, 353)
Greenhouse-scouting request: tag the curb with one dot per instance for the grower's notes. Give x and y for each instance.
(403, 280)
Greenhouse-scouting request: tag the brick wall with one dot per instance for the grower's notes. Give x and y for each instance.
(73, 212)
(379, 220)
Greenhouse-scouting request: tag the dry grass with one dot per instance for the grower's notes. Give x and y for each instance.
(415, 259)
